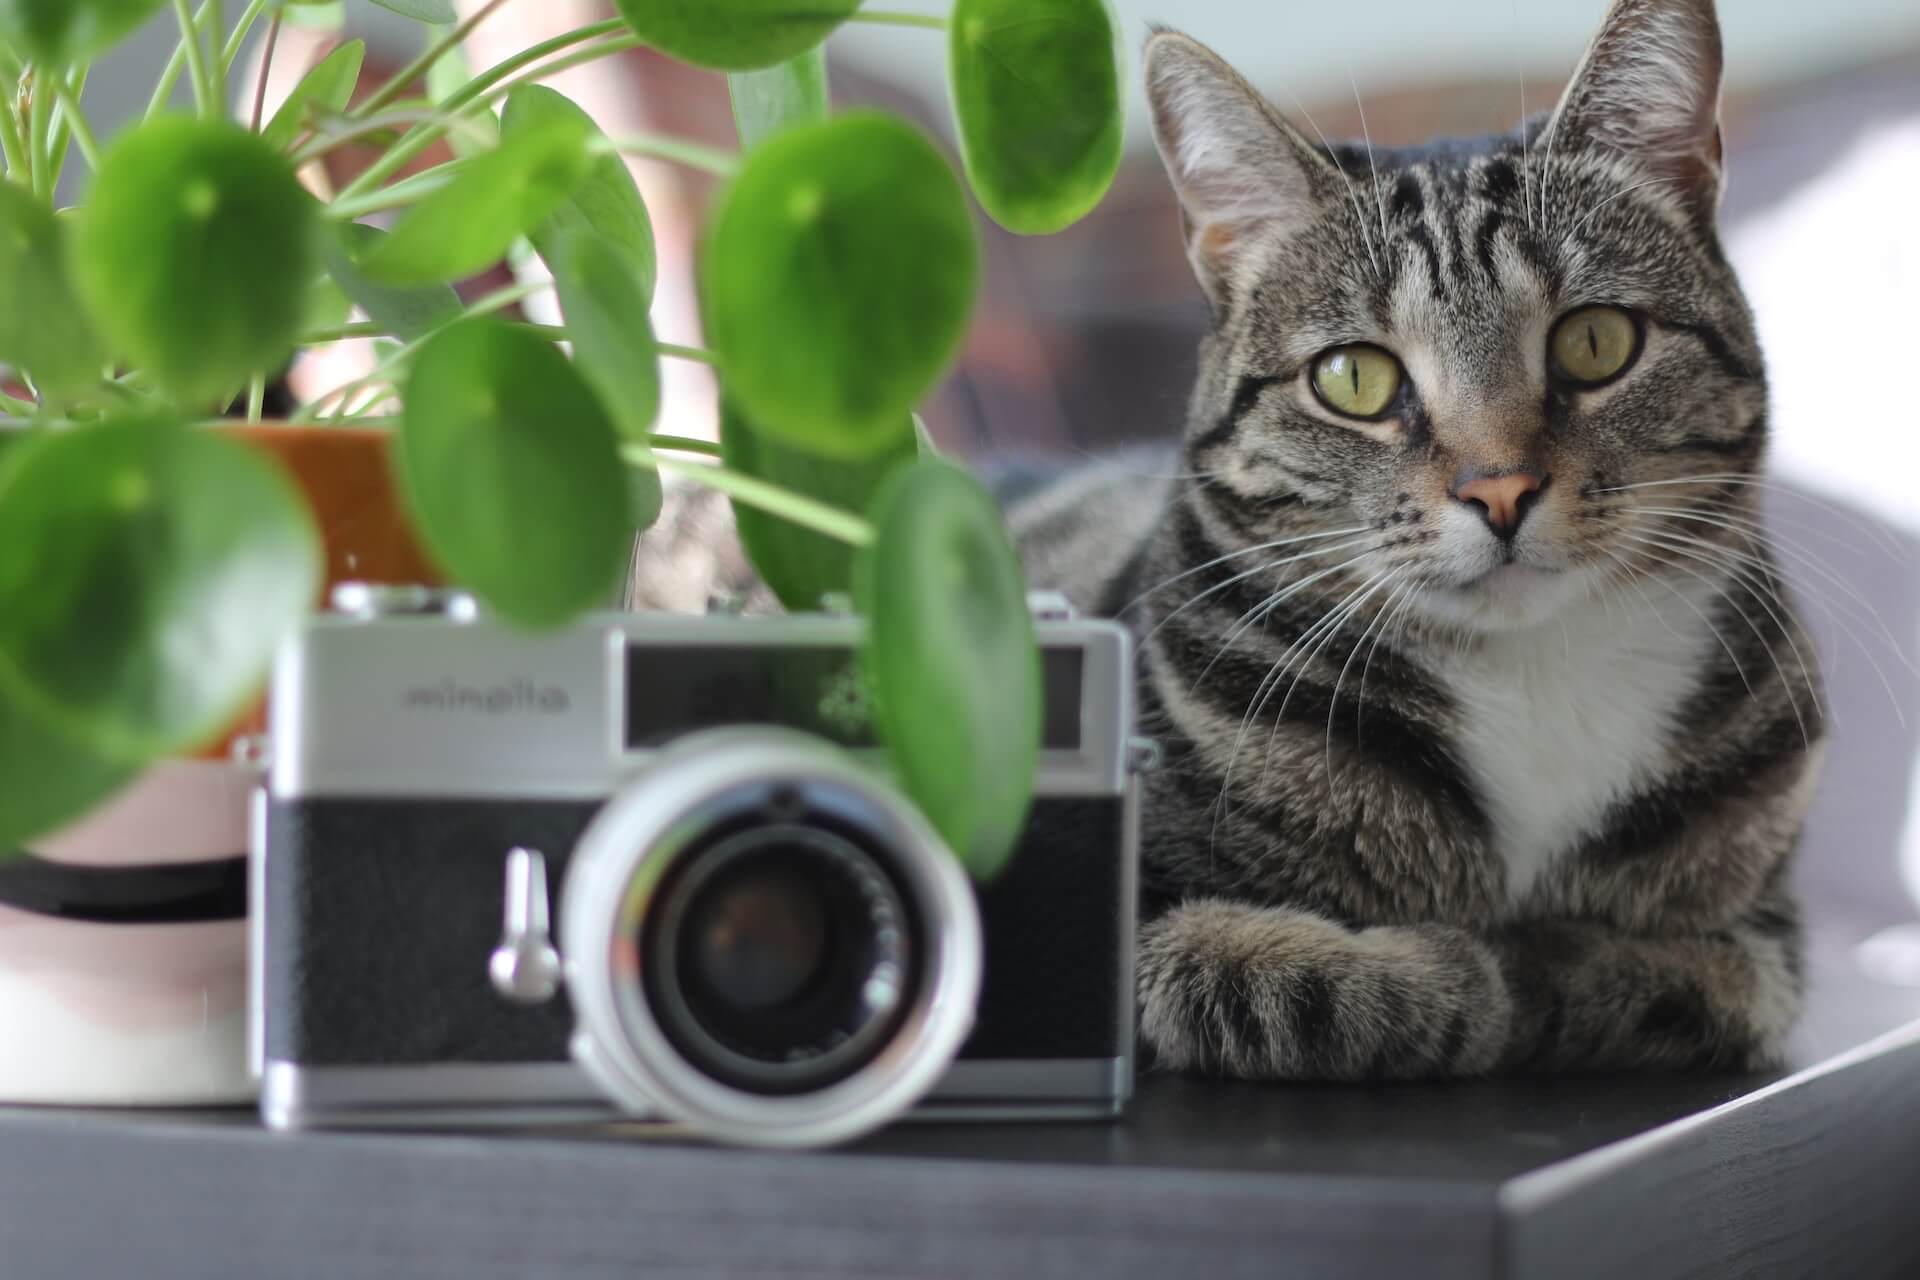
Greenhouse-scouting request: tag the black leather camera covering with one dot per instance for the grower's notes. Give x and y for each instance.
(381, 915)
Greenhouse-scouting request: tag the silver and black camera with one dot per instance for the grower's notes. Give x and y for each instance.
(757, 936)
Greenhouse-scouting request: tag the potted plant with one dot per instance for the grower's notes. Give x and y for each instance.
(155, 545)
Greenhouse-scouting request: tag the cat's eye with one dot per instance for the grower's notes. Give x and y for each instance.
(1358, 380)
(1594, 345)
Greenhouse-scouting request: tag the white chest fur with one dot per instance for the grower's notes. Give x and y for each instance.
(1559, 721)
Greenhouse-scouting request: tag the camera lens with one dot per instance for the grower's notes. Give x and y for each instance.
(779, 956)
(758, 939)
(765, 942)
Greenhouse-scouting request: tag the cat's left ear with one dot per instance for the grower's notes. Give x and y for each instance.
(1649, 89)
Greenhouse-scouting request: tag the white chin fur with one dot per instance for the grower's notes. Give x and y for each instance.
(1510, 598)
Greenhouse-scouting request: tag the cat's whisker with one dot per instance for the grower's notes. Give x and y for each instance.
(1636, 578)
(1728, 562)
(1755, 532)
(1379, 202)
(1881, 537)
(1335, 627)
(1264, 610)
(1259, 696)
(1810, 563)
(1352, 195)
(1792, 700)
(1407, 592)
(1235, 555)
(1786, 631)
(1333, 703)
(1520, 66)
(1855, 603)
(1715, 587)
(1242, 577)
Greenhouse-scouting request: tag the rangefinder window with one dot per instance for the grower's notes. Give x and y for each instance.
(672, 690)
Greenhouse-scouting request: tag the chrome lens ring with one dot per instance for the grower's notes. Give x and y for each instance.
(624, 872)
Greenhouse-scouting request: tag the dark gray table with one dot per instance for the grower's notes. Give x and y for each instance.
(1810, 1172)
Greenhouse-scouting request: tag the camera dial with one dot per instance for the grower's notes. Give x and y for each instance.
(767, 943)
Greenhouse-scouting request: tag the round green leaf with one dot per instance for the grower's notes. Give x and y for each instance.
(146, 573)
(42, 328)
(768, 100)
(194, 252)
(734, 35)
(49, 780)
(468, 225)
(606, 201)
(412, 311)
(838, 276)
(56, 33)
(802, 566)
(513, 473)
(953, 660)
(645, 496)
(1036, 96)
(327, 87)
(606, 314)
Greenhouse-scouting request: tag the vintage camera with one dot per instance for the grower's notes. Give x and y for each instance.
(758, 936)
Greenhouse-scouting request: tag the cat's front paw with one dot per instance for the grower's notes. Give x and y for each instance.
(1232, 989)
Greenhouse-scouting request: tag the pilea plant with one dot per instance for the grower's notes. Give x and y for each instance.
(150, 562)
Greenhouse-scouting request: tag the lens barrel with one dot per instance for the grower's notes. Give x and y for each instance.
(767, 943)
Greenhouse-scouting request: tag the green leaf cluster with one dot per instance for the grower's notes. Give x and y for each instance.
(150, 564)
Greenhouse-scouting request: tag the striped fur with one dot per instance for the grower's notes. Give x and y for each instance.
(1433, 807)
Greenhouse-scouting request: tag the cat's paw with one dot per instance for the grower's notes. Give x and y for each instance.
(1233, 989)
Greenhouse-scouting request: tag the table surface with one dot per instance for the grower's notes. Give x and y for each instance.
(1806, 1171)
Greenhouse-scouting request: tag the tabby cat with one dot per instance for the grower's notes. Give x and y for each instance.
(1489, 729)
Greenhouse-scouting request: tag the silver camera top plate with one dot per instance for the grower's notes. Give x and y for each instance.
(417, 705)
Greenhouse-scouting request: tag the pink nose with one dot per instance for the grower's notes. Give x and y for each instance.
(1503, 500)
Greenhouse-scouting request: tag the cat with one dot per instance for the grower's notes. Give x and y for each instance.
(1489, 729)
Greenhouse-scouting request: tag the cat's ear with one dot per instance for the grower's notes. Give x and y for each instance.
(1649, 89)
(1238, 168)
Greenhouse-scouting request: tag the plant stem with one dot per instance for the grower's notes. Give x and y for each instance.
(39, 127)
(63, 127)
(397, 84)
(533, 53)
(684, 444)
(11, 141)
(170, 75)
(404, 192)
(888, 18)
(691, 154)
(558, 332)
(216, 65)
(266, 65)
(317, 143)
(806, 512)
(470, 97)
(238, 36)
(256, 396)
(71, 117)
(698, 354)
(196, 56)
(486, 305)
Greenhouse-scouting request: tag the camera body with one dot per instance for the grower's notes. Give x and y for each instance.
(706, 792)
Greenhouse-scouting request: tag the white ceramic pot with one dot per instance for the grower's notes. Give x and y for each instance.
(131, 1012)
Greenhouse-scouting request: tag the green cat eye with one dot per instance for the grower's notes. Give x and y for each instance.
(1594, 344)
(1358, 380)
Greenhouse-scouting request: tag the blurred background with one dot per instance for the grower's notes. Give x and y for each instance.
(1085, 340)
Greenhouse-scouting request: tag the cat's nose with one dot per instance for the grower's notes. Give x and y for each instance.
(1502, 499)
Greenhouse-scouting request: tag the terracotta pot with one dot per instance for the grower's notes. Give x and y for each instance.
(123, 937)
(363, 526)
